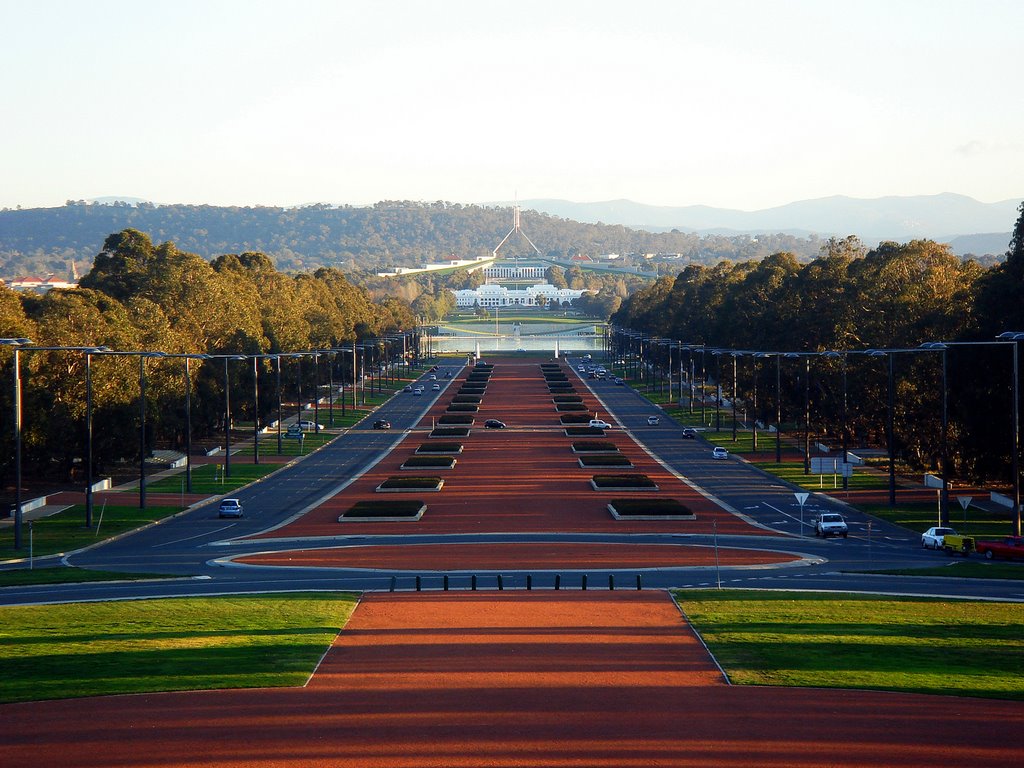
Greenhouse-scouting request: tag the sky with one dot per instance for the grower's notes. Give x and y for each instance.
(729, 103)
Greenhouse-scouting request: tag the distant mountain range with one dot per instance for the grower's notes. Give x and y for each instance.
(968, 225)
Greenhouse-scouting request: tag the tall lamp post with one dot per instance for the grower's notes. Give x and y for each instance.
(1015, 337)
(778, 401)
(17, 344)
(227, 410)
(188, 358)
(142, 355)
(807, 405)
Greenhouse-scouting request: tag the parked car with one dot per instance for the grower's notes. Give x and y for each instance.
(494, 424)
(934, 537)
(653, 420)
(382, 424)
(1010, 548)
(830, 524)
(230, 508)
(310, 426)
(599, 424)
(689, 433)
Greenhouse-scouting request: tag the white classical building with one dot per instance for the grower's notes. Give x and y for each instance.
(516, 269)
(491, 295)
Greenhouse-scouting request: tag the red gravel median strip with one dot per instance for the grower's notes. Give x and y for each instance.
(520, 557)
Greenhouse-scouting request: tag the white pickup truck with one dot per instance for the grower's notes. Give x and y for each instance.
(830, 524)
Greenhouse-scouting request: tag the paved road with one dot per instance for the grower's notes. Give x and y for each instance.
(200, 545)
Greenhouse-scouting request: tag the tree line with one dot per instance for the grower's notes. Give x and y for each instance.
(356, 239)
(141, 296)
(895, 296)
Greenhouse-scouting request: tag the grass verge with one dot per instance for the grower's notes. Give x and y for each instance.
(66, 531)
(166, 645)
(25, 576)
(963, 570)
(911, 645)
(209, 478)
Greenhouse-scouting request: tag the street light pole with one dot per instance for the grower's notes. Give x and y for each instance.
(17, 343)
(734, 383)
(255, 410)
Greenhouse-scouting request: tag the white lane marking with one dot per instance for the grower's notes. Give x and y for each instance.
(197, 536)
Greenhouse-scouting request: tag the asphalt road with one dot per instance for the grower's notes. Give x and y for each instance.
(199, 546)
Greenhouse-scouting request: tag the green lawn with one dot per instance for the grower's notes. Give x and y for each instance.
(165, 645)
(209, 478)
(66, 531)
(964, 569)
(26, 576)
(936, 646)
(921, 516)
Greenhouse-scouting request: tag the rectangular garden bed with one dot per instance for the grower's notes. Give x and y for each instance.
(429, 462)
(631, 482)
(384, 511)
(463, 408)
(563, 407)
(594, 446)
(650, 509)
(556, 399)
(455, 420)
(449, 432)
(575, 418)
(605, 460)
(583, 432)
(468, 398)
(439, 449)
(410, 485)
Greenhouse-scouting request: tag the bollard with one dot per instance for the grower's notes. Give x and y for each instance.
(419, 583)
(501, 585)
(472, 583)
(558, 581)
(611, 582)
(529, 581)
(583, 585)
(446, 582)
(639, 582)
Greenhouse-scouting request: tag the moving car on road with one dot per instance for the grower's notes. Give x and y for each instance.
(310, 426)
(718, 452)
(494, 424)
(1010, 548)
(230, 508)
(830, 524)
(653, 420)
(934, 536)
(599, 424)
(382, 424)
(689, 433)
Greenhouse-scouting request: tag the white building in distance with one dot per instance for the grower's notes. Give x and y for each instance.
(492, 295)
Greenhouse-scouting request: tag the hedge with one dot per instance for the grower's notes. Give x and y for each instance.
(376, 510)
(636, 481)
(561, 407)
(576, 418)
(428, 462)
(449, 432)
(475, 399)
(567, 399)
(456, 419)
(398, 483)
(594, 446)
(605, 461)
(439, 448)
(650, 508)
(463, 408)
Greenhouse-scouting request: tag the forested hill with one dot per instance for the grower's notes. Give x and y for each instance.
(44, 240)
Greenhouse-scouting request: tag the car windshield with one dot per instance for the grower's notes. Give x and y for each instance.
(831, 519)
(944, 531)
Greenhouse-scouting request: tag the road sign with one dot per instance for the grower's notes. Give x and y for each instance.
(932, 481)
(824, 465)
(965, 501)
(801, 498)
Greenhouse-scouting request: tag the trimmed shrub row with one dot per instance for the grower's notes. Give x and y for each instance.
(439, 448)
(594, 446)
(576, 418)
(463, 408)
(556, 399)
(605, 461)
(623, 482)
(396, 483)
(429, 462)
(562, 407)
(384, 510)
(650, 509)
(583, 432)
(456, 419)
(449, 432)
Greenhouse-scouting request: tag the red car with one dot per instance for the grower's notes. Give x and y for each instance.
(1010, 548)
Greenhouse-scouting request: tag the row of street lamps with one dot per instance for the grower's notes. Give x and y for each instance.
(646, 356)
(381, 353)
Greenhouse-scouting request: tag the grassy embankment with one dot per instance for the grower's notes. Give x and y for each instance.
(166, 645)
(911, 645)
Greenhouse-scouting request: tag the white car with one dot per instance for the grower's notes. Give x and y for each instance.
(653, 420)
(417, 391)
(436, 388)
(230, 508)
(718, 452)
(934, 537)
(310, 426)
(830, 524)
(599, 424)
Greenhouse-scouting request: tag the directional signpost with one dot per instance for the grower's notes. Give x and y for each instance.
(965, 502)
(801, 499)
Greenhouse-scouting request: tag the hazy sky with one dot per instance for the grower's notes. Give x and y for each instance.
(725, 102)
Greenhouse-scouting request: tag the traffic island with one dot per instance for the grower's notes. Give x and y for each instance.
(632, 482)
(650, 509)
(428, 462)
(383, 511)
(618, 462)
(439, 449)
(396, 484)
